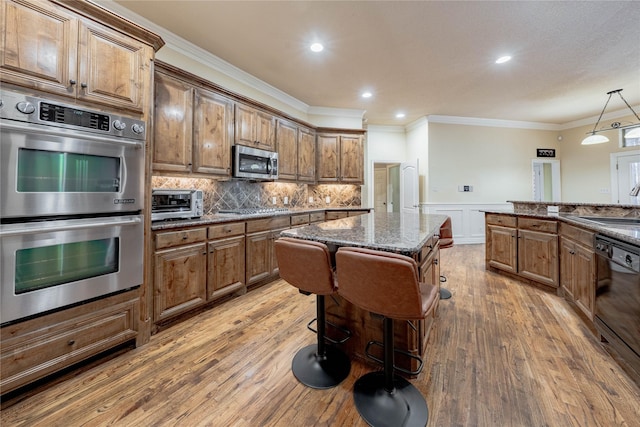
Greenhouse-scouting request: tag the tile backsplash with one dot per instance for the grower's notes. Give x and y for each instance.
(240, 194)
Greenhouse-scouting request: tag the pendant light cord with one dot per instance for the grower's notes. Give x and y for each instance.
(625, 101)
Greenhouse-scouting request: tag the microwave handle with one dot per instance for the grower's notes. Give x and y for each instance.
(33, 228)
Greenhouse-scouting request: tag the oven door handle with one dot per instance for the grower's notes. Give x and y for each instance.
(34, 228)
(48, 131)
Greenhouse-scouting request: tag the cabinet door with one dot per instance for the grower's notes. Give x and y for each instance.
(172, 130)
(328, 160)
(245, 125)
(538, 256)
(225, 267)
(265, 131)
(585, 279)
(39, 46)
(286, 137)
(306, 155)
(112, 68)
(502, 248)
(213, 130)
(567, 256)
(351, 159)
(258, 265)
(179, 280)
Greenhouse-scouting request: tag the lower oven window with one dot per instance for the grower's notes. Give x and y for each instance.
(47, 266)
(58, 172)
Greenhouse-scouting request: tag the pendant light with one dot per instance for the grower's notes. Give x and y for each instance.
(599, 139)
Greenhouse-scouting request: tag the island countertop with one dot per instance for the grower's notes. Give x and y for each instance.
(405, 234)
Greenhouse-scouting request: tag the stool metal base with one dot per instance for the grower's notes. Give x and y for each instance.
(445, 293)
(404, 406)
(320, 372)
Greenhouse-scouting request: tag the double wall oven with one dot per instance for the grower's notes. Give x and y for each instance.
(71, 195)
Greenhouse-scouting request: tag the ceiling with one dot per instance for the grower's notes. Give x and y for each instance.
(425, 57)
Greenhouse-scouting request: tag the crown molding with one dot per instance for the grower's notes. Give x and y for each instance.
(386, 129)
(592, 120)
(474, 121)
(340, 112)
(424, 120)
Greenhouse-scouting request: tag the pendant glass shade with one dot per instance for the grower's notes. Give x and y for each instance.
(595, 139)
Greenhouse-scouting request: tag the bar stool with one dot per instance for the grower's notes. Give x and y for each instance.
(386, 284)
(446, 241)
(307, 266)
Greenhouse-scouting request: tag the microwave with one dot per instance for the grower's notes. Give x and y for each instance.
(252, 163)
(176, 204)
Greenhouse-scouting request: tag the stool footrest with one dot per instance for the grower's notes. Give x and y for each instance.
(395, 350)
(346, 332)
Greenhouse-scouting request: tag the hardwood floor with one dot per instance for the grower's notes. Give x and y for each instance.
(502, 354)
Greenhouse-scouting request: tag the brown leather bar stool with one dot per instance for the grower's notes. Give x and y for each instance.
(307, 266)
(446, 241)
(386, 284)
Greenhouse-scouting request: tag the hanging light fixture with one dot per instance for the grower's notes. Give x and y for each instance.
(599, 139)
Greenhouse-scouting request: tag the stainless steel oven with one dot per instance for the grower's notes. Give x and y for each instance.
(58, 159)
(51, 264)
(71, 195)
(617, 302)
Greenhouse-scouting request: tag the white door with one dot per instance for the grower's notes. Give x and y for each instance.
(628, 171)
(380, 189)
(409, 188)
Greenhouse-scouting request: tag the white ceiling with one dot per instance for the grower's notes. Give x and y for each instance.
(425, 57)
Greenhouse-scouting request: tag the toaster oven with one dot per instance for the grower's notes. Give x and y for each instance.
(176, 204)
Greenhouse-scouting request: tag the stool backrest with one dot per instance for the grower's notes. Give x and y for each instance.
(380, 282)
(446, 234)
(305, 265)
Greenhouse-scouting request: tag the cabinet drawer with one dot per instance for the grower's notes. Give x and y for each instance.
(498, 219)
(541, 225)
(577, 234)
(316, 217)
(183, 237)
(336, 215)
(300, 219)
(32, 356)
(268, 223)
(226, 230)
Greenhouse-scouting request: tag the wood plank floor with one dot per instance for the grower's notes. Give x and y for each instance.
(502, 354)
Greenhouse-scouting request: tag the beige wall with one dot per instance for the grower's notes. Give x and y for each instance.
(496, 162)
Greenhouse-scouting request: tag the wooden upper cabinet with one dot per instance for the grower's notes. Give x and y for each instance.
(172, 130)
(306, 155)
(328, 157)
(49, 48)
(351, 159)
(254, 128)
(213, 128)
(340, 158)
(287, 143)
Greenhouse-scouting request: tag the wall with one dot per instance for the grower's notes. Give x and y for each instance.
(384, 144)
(496, 162)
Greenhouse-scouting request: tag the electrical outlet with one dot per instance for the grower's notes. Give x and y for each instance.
(465, 188)
(310, 199)
(286, 200)
(327, 199)
(604, 190)
(273, 200)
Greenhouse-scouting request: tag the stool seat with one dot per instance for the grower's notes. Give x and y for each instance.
(307, 266)
(387, 284)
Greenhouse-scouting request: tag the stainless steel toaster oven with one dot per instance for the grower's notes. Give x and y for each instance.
(176, 204)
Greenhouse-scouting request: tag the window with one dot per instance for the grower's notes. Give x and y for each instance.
(625, 141)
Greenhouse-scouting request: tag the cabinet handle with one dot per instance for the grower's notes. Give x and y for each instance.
(71, 342)
(205, 252)
(72, 82)
(572, 252)
(83, 85)
(185, 237)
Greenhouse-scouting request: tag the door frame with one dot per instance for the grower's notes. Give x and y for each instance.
(556, 192)
(613, 161)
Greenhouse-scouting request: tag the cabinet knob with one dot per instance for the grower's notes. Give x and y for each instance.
(435, 261)
(72, 82)
(71, 342)
(83, 85)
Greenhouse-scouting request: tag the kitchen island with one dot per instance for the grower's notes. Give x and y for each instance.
(413, 235)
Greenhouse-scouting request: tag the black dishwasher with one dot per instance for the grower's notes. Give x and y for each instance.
(617, 303)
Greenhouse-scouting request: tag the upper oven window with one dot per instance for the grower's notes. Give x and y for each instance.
(46, 266)
(60, 172)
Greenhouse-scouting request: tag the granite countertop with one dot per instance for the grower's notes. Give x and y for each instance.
(405, 234)
(231, 217)
(629, 233)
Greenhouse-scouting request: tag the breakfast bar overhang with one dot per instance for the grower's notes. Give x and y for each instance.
(414, 235)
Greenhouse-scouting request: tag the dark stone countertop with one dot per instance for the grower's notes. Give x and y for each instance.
(230, 217)
(405, 234)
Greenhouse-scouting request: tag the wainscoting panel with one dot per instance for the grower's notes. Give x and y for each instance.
(467, 219)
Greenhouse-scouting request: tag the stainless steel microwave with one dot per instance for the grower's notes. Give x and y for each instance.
(252, 163)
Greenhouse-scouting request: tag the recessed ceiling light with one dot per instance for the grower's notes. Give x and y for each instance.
(367, 94)
(317, 47)
(400, 115)
(503, 59)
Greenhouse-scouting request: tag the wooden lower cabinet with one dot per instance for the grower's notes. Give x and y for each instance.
(578, 266)
(258, 257)
(225, 272)
(38, 347)
(501, 248)
(538, 256)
